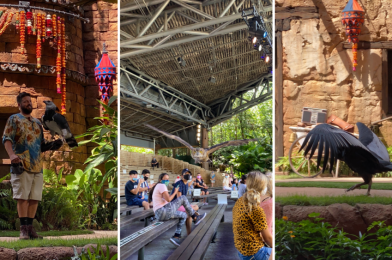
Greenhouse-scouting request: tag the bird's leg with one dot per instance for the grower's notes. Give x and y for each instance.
(356, 186)
(370, 186)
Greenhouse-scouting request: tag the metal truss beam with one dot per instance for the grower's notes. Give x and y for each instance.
(164, 98)
(222, 109)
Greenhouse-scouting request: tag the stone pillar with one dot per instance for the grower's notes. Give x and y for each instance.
(204, 144)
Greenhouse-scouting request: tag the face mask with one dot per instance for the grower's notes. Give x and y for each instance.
(145, 178)
(166, 182)
(135, 179)
(264, 191)
(226, 176)
(199, 177)
(187, 177)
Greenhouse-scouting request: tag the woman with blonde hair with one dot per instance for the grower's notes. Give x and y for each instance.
(251, 234)
(267, 204)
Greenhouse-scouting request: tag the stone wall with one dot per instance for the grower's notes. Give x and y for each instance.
(83, 50)
(317, 70)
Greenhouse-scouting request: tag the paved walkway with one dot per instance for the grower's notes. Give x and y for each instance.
(315, 192)
(330, 179)
(97, 234)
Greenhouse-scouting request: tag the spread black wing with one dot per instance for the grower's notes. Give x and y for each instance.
(61, 122)
(171, 136)
(229, 143)
(334, 143)
(372, 142)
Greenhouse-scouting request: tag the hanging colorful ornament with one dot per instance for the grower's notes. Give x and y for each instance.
(63, 66)
(7, 23)
(17, 21)
(105, 73)
(35, 24)
(58, 60)
(353, 16)
(54, 19)
(3, 20)
(39, 42)
(43, 29)
(49, 26)
(22, 31)
(29, 17)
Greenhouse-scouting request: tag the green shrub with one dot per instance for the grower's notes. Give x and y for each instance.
(315, 239)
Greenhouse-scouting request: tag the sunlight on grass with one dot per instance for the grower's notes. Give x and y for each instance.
(52, 233)
(304, 200)
(338, 185)
(20, 244)
(286, 177)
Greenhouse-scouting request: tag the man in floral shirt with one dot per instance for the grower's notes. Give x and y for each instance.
(24, 141)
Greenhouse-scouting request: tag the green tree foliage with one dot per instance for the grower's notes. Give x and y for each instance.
(136, 149)
(255, 122)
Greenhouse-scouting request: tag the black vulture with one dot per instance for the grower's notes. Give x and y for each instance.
(366, 155)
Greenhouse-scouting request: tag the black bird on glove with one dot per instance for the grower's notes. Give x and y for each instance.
(366, 156)
(57, 124)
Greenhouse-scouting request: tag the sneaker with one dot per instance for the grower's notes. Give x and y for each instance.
(206, 203)
(199, 218)
(176, 241)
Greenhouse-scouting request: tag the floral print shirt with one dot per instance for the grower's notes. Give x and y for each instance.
(26, 136)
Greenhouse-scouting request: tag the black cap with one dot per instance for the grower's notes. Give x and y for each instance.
(185, 171)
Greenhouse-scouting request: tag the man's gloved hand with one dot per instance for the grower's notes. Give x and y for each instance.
(55, 145)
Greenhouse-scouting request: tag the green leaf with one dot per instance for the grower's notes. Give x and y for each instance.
(69, 179)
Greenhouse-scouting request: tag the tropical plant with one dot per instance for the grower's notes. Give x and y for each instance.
(136, 149)
(315, 239)
(88, 185)
(104, 137)
(8, 212)
(97, 253)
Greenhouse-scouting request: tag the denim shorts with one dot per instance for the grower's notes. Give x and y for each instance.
(136, 202)
(263, 254)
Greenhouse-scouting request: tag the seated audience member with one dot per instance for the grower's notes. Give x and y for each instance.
(201, 185)
(132, 190)
(183, 186)
(154, 163)
(234, 184)
(251, 233)
(144, 193)
(226, 182)
(242, 186)
(178, 178)
(166, 208)
(212, 175)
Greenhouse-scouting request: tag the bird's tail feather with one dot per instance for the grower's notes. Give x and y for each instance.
(387, 165)
(72, 142)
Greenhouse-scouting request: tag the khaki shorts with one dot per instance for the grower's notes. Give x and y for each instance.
(27, 186)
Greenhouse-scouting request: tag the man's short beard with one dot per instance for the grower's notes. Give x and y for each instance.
(26, 111)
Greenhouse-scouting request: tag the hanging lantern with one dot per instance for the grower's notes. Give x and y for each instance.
(49, 25)
(105, 73)
(353, 16)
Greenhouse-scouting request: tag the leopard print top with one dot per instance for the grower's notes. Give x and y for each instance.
(247, 227)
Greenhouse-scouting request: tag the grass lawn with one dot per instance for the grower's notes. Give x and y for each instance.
(338, 185)
(286, 177)
(304, 200)
(20, 244)
(53, 233)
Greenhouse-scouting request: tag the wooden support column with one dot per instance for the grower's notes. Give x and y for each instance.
(174, 152)
(157, 148)
(279, 151)
(204, 144)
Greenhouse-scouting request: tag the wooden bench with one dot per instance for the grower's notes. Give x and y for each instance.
(196, 244)
(145, 235)
(127, 210)
(211, 195)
